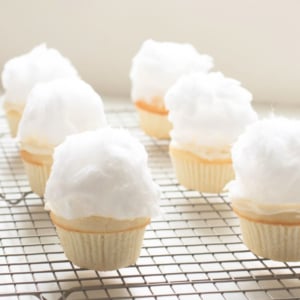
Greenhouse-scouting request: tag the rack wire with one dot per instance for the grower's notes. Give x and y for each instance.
(192, 251)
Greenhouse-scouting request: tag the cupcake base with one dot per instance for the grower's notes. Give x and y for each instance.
(116, 247)
(13, 118)
(38, 168)
(275, 241)
(154, 124)
(199, 174)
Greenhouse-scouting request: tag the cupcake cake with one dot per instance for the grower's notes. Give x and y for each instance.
(157, 66)
(54, 110)
(101, 197)
(21, 73)
(265, 192)
(208, 113)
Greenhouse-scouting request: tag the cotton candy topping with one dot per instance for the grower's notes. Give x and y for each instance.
(208, 110)
(266, 162)
(59, 108)
(157, 65)
(41, 64)
(101, 173)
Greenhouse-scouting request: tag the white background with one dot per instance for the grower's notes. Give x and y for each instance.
(255, 41)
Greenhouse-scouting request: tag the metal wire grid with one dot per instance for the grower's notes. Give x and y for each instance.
(192, 251)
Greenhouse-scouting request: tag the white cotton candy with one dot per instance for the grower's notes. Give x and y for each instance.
(266, 161)
(59, 108)
(41, 64)
(208, 110)
(101, 173)
(157, 65)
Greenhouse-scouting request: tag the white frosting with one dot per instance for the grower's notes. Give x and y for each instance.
(157, 65)
(208, 110)
(21, 73)
(101, 173)
(266, 161)
(56, 109)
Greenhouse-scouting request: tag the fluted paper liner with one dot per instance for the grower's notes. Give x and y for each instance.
(102, 251)
(155, 125)
(200, 175)
(275, 241)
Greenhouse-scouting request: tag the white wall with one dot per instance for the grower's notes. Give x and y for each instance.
(255, 41)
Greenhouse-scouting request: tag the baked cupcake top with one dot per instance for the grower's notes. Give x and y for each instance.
(157, 65)
(266, 162)
(101, 173)
(21, 73)
(56, 109)
(208, 110)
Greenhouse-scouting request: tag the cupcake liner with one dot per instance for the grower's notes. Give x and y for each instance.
(102, 251)
(274, 241)
(37, 176)
(13, 118)
(155, 125)
(196, 174)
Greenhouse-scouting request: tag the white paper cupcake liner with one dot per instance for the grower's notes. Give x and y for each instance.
(274, 241)
(200, 176)
(102, 251)
(155, 125)
(37, 176)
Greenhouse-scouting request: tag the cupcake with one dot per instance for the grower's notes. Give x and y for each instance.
(101, 197)
(154, 69)
(54, 110)
(208, 112)
(21, 73)
(265, 192)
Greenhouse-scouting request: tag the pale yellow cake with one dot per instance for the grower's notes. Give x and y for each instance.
(153, 119)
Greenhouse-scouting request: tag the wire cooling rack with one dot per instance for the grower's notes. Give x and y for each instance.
(192, 251)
